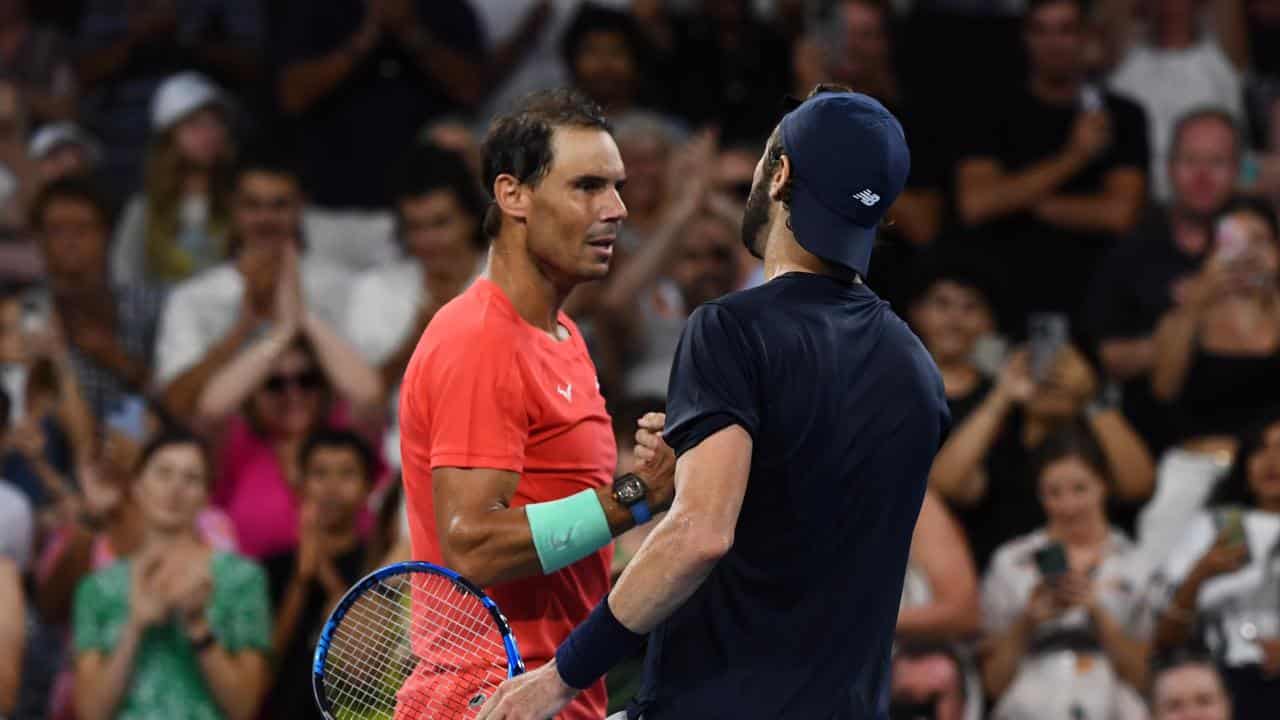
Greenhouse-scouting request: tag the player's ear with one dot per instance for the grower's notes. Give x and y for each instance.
(780, 178)
(511, 195)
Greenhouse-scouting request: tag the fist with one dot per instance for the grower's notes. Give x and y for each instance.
(655, 461)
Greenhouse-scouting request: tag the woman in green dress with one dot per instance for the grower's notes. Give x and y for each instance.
(178, 630)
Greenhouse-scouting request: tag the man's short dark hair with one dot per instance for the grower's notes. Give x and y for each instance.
(1195, 115)
(593, 18)
(519, 143)
(430, 168)
(1034, 6)
(267, 161)
(947, 263)
(330, 438)
(71, 189)
(1182, 657)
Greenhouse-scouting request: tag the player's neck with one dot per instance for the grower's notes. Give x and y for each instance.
(783, 254)
(535, 296)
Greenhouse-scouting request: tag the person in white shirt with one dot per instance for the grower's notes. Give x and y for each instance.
(177, 226)
(1220, 585)
(1175, 64)
(1061, 605)
(439, 209)
(211, 317)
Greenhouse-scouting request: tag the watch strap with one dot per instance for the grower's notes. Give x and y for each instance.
(640, 511)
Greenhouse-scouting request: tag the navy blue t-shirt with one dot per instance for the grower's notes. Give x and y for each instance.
(846, 411)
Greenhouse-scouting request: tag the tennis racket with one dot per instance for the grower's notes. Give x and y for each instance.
(412, 641)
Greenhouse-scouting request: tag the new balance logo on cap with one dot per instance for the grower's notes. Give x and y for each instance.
(867, 197)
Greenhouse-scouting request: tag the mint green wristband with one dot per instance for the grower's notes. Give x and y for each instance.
(567, 530)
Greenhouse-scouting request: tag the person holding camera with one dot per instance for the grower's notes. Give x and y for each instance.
(1220, 586)
(984, 469)
(1217, 350)
(1061, 605)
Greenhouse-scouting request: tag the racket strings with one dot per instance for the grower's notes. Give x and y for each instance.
(414, 647)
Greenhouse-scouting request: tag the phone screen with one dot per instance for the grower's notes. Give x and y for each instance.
(1047, 334)
(1231, 532)
(1051, 560)
(1229, 241)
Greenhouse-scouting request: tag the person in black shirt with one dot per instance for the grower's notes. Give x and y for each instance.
(984, 469)
(362, 78)
(337, 474)
(1217, 353)
(1054, 172)
(863, 60)
(951, 310)
(1149, 272)
(805, 416)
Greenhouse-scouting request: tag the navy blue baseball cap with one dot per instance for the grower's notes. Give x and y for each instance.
(849, 162)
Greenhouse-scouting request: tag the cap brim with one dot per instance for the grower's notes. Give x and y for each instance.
(827, 234)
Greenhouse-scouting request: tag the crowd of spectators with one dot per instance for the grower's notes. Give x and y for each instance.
(225, 223)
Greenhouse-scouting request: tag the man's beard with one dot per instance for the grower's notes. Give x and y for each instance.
(755, 218)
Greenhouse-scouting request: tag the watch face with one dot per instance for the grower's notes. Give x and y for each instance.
(629, 490)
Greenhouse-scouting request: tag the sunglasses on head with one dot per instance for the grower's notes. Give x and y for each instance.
(309, 380)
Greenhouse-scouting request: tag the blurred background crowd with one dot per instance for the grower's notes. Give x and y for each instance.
(225, 223)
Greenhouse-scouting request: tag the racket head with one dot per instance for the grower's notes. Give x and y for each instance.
(368, 601)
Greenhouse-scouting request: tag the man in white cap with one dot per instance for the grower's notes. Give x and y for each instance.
(62, 149)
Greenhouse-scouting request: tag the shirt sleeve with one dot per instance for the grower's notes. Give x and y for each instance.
(88, 625)
(240, 614)
(714, 380)
(128, 254)
(1196, 540)
(981, 137)
(365, 324)
(474, 396)
(1000, 601)
(1131, 149)
(179, 341)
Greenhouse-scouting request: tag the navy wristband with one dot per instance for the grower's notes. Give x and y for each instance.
(594, 647)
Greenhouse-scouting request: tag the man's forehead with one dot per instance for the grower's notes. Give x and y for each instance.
(265, 182)
(584, 151)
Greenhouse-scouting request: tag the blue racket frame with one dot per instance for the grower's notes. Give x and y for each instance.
(515, 665)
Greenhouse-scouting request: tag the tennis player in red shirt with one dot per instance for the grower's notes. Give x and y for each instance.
(507, 449)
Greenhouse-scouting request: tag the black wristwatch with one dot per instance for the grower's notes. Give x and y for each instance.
(631, 493)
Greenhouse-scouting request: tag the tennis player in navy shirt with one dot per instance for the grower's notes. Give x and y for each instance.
(805, 416)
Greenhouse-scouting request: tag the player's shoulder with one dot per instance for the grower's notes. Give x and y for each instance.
(474, 320)
(474, 331)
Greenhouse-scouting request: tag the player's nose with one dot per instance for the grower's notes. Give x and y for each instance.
(613, 209)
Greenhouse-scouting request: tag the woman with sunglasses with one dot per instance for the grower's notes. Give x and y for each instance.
(301, 376)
